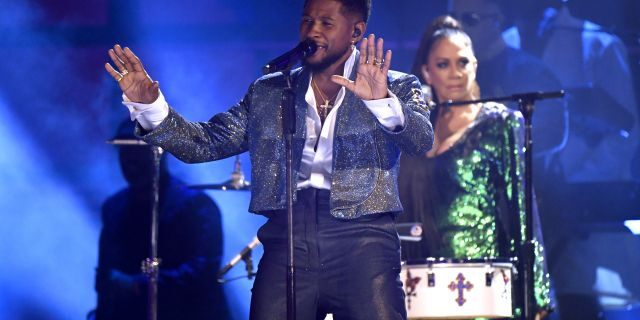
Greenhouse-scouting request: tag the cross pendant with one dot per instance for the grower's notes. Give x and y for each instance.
(324, 110)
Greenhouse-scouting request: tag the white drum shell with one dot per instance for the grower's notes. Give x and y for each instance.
(441, 300)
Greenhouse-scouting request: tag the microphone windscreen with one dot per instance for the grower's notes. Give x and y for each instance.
(309, 48)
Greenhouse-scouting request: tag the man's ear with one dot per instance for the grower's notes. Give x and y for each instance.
(425, 73)
(358, 31)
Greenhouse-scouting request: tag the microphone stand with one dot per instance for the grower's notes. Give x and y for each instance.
(244, 255)
(289, 128)
(284, 64)
(526, 102)
(151, 265)
(248, 265)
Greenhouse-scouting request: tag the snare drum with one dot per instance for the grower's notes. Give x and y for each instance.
(458, 290)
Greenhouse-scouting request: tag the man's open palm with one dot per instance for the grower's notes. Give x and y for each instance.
(131, 76)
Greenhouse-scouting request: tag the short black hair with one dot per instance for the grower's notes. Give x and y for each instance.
(361, 8)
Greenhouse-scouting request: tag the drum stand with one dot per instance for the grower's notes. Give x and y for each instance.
(526, 251)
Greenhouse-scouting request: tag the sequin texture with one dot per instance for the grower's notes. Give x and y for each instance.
(365, 153)
(470, 198)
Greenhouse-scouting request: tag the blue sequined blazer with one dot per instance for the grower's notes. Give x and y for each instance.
(365, 153)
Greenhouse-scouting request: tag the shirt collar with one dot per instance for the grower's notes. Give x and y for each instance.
(348, 65)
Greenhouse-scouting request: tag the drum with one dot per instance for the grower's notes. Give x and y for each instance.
(443, 289)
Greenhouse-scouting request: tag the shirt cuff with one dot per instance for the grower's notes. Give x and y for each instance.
(148, 115)
(387, 110)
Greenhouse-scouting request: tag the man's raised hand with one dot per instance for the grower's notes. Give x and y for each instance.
(131, 76)
(373, 68)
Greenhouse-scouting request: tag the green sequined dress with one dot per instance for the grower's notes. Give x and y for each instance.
(470, 198)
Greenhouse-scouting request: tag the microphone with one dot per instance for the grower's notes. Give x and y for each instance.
(285, 61)
(240, 256)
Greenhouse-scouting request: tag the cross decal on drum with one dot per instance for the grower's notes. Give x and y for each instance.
(410, 285)
(460, 285)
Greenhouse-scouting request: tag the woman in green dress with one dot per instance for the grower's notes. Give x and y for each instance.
(467, 191)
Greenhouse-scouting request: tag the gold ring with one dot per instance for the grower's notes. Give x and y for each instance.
(119, 79)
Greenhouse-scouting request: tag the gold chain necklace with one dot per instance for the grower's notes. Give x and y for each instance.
(323, 109)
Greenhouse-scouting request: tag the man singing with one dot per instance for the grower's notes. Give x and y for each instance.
(353, 118)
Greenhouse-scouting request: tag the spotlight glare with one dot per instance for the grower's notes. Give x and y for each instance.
(633, 226)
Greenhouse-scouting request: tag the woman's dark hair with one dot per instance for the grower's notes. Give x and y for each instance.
(442, 27)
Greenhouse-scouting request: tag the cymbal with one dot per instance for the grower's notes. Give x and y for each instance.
(229, 185)
(236, 183)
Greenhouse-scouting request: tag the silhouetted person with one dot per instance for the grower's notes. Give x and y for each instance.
(596, 164)
(189, 245)
(593, 67)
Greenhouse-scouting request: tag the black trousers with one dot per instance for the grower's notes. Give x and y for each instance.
(349, 268)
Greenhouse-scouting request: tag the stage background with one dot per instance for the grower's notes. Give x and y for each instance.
(58, 107)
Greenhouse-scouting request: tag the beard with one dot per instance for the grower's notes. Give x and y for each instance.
(327, 61)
